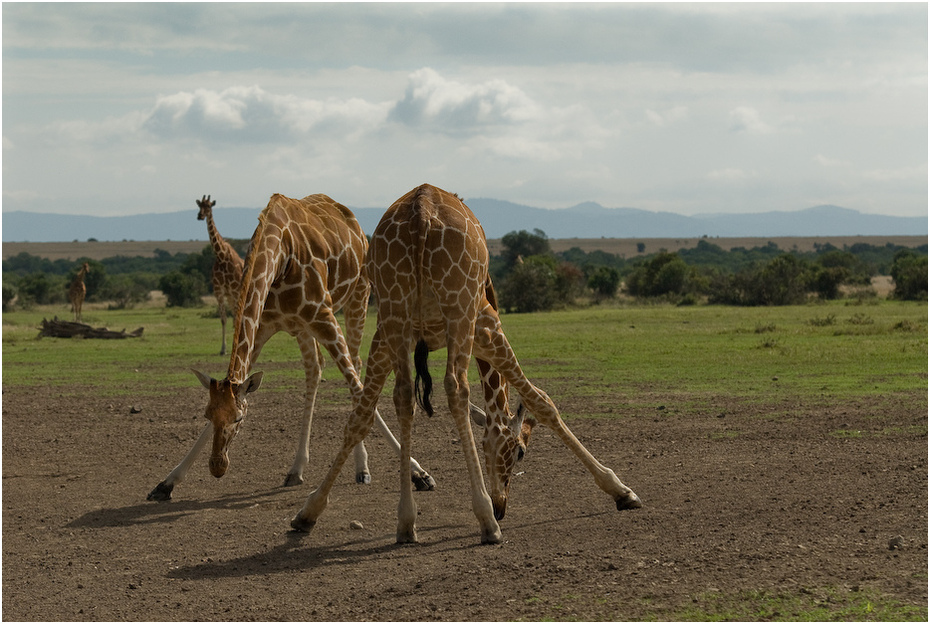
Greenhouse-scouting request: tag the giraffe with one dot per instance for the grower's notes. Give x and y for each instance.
(428, 263)
(227, 267)
(78, 291)
(305, 263)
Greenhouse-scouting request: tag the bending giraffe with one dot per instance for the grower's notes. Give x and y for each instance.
(227, 267)
(78, 291)
(428, 263)
(305, 263)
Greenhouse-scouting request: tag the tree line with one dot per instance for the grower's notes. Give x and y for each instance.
(529, 276)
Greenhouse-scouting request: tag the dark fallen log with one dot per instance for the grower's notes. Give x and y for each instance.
(69, 329)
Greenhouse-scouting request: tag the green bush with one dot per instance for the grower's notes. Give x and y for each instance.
(183, 290)
(909, 272)
(666, 273)
(530, 286)
(41, 289)
(604, 281)
(9, 294)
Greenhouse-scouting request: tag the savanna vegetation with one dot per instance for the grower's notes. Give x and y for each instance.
(531, 277)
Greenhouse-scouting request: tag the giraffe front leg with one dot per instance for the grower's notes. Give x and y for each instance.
(313, 372)
(162, 491)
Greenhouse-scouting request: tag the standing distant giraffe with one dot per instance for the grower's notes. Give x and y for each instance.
(78, 291)
(428, 263)
(305, 263)
(227, 267)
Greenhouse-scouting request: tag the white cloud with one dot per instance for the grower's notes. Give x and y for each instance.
(451, 107)
(747, 119)
(830, 162)
(918, 172)
(668, 116)
(731, 174)
(252, 115)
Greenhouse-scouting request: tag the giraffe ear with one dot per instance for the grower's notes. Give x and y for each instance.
(204, 379)
(477, 415)
(251, 384)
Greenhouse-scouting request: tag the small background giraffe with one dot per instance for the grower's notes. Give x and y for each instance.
(227, 266)
(78, 291)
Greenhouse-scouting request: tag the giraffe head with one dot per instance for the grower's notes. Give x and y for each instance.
(205, 206)
(505, 436)
(226, 410)
(85, 268)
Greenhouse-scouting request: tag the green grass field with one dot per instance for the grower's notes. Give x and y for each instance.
(824, 352)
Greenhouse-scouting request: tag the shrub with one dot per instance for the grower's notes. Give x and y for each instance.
(909, 272)
(666, 273)
(530, 286)
(9, 294)
(183, 290)
(604, 281)
(41, 289)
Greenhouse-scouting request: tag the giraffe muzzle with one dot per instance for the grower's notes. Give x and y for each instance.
(219, 464)
(499, 504)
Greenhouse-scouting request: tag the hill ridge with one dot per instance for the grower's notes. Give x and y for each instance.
(584, 220)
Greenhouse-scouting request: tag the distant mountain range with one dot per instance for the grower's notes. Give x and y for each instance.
(587, 220)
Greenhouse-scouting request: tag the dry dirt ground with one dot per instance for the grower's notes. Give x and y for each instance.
(792, 499)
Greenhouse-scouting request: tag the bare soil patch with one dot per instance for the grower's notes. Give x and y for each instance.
(783, 499)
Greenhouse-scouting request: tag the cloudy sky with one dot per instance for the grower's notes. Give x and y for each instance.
(126, 108)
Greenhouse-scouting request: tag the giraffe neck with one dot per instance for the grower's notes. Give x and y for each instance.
(261, 269)
(495, 393)
(216, 241)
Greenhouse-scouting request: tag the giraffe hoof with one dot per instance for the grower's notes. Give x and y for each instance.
(162, 492)
(363, 478)
(423, 482)
(493, 537)
(292, 479)
(632, 501)
(302, 526)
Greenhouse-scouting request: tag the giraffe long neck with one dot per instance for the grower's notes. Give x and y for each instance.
(261, 269)
(495, 392)
(216, 241)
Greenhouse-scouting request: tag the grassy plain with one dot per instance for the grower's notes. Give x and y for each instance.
(824, 352)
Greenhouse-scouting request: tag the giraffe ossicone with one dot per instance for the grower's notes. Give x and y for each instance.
(428, 264)
(305, 263)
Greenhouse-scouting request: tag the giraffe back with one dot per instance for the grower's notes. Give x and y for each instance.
(305, 253)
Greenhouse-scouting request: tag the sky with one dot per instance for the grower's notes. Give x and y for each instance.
(128, 108)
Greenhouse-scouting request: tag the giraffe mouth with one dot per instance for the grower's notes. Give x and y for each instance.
(219, 464)
(499, 504)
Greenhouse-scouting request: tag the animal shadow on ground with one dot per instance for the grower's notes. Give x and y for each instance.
(152, 513)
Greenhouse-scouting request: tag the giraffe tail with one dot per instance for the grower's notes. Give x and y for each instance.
(423, 383)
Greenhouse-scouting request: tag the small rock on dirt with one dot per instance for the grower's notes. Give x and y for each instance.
(355, 525)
